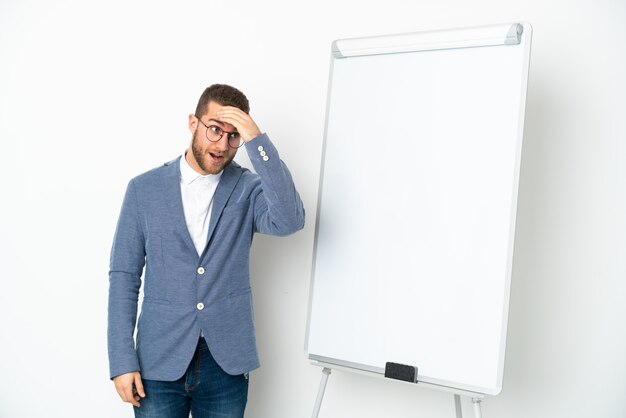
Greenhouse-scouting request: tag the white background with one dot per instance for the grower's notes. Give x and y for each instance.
(93, 93)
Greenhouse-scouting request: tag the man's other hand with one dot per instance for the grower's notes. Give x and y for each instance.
(129, 387)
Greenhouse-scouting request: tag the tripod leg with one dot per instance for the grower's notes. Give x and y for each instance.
(320, 392)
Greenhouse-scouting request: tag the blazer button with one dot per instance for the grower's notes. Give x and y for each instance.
(200, 270)
(260, 148)
(266, 158)
(200, 306)
(263, 153)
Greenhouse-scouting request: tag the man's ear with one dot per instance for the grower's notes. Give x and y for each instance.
(193, 123)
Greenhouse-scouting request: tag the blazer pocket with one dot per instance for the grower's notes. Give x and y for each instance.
(240, 292)
(155, 301)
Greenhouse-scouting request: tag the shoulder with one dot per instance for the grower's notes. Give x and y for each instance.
(247, 177)
(156, 174)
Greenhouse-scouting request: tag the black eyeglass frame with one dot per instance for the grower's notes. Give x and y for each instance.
(228, 137)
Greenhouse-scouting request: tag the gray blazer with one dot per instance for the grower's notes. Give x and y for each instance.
(185, 294)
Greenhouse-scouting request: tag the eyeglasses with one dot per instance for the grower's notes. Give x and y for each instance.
(214, 133)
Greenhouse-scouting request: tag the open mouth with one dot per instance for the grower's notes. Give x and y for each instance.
(216, 158)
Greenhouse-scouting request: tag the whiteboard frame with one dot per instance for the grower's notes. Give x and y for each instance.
(422, 41)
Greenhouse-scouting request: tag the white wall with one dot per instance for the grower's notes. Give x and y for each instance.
(94, 92)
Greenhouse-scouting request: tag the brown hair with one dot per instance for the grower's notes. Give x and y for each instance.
(224, 95)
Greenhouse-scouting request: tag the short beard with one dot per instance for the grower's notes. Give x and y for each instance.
(200, 156)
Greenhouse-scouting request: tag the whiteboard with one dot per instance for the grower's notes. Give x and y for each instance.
(417, 204)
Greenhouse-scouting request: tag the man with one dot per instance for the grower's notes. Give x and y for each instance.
(190, 223)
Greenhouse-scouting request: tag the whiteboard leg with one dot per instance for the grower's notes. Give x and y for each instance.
(320, 392)
(477, 413)
(457, 406)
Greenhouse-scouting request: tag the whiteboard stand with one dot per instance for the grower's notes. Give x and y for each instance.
(476, 402)
(459, 410)
(327, 369)
(320, 392)
(457, 406)
(443, 262)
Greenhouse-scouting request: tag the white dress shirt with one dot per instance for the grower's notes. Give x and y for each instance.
(197, 192)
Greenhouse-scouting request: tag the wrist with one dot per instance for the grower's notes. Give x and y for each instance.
(250, 136)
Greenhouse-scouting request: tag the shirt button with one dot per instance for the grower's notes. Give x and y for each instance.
(265, 158)
(260, 148)
(200, 270)
(200, 306)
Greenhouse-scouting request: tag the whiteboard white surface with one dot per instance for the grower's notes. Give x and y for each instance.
(416, 212)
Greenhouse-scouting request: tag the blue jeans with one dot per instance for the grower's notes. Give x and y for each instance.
(205, 390)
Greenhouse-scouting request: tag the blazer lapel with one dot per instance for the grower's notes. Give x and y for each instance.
(225, 188)
(171, 181)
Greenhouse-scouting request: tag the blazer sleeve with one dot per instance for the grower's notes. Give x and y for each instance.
(126, 266)
(278, 209)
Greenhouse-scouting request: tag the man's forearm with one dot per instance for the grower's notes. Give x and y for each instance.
(281, 211)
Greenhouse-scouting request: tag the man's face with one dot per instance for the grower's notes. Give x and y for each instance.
(211, 157)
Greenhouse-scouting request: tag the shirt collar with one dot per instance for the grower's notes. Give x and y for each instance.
(188, 175)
